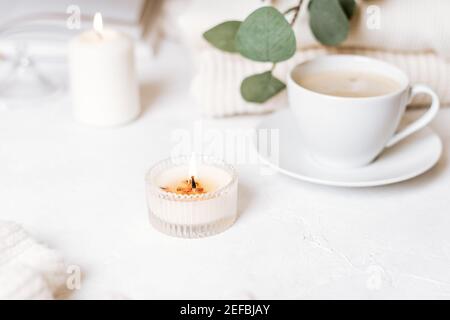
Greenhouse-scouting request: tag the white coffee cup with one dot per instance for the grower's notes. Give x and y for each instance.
(347, 132)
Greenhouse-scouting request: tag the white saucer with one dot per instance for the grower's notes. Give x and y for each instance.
(410, 158)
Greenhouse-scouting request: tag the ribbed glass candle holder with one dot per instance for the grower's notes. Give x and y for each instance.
(193, 215)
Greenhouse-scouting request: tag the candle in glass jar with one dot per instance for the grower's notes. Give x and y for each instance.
(103, 80)
(189, 200)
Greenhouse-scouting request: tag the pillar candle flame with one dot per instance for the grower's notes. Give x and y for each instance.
(98, 23)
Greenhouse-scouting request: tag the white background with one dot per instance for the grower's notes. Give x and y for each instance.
(81, 190)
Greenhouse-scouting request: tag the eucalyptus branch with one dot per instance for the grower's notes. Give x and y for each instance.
(329, 21)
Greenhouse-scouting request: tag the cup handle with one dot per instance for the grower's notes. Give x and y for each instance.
(422, 121)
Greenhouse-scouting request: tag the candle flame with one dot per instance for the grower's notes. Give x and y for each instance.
(98, 23)
(193, 166)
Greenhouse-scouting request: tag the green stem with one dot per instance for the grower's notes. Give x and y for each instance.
(273, 67)
(289, 10)
(296, 10)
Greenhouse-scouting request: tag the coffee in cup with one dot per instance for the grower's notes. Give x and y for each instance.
(348, 108)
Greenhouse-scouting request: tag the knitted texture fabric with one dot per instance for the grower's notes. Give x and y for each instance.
(28, 270)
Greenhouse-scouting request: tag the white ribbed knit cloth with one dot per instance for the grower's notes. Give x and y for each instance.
(216, 85)
(28, 270)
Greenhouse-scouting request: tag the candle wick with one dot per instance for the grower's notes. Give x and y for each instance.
(99, 35)
(193, 183)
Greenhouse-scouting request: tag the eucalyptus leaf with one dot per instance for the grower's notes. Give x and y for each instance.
(266, 36)
(349, 7)
(223, 35)
(261, 87)
(328, 21)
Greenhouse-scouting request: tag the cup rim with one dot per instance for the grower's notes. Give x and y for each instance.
(405, 82)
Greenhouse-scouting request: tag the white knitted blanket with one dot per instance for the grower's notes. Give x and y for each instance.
(28, 270)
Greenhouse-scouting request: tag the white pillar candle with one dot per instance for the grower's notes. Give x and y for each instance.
(103, 80)
(192, 203)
